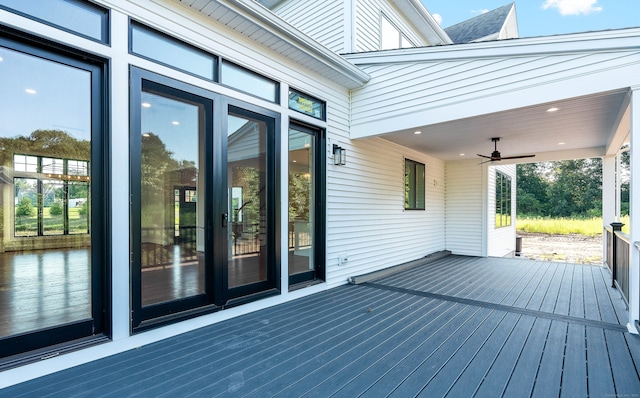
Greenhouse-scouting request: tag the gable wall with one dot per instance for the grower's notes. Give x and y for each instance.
(367, 25)
(322, 20)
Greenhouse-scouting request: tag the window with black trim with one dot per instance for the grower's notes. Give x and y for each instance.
(151, 44)
(503, 200)
(76, 16)
(249, 82)
(414, 195)
(307, 104)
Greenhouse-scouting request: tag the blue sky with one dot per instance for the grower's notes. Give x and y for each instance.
(546, 17)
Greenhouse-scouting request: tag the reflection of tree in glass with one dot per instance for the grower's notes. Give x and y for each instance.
(248, 178)
(52, 143)
(299, 188)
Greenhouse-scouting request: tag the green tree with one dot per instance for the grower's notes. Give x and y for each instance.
(576, 190)
(56, 208)
(531, 190)
(25, 208)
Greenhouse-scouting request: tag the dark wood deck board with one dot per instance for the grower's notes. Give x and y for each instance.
(600, 379)
(575, 363)
(491, 330)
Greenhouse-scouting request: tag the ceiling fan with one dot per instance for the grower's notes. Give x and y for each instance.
(495, 155)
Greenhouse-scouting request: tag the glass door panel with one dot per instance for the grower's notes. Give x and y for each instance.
(247, 207)
(50, 281)
(302, 217)
(171, 199)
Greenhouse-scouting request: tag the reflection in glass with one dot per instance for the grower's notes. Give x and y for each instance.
(76, 15)
(45, 246)
(301, 200)
(244, 80)
(246, 168)
(171, 214)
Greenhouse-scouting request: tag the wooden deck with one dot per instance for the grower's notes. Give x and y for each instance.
(458, 327)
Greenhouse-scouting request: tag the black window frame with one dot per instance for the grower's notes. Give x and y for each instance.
(503, 214)
(215, 73)
(223, 61)
(409, 184)
(105, 17)
(323, 109)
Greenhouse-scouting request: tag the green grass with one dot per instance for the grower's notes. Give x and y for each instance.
(564, 226)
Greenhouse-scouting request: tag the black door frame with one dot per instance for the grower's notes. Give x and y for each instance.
(66, 336)
(217, 294)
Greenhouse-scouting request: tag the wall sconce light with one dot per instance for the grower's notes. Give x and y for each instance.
(339, 155)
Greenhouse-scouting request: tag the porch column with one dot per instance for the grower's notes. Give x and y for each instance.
(610, 205)
(634, 210)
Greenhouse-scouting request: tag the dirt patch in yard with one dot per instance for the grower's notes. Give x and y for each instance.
(578, 249)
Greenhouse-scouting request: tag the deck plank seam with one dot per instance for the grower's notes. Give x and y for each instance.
(502, 307)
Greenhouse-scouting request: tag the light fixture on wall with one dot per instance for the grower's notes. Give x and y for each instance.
(339, 155)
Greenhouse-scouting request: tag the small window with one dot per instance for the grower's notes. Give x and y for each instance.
(391, 37)
(251, 83)
(306, 104)
(151, 44)
(414, 185)
(503, 200)
(77, 16)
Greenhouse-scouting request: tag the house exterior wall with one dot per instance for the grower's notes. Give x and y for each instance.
(449, 85)
(326, 21)
(366, 224)
(366, 220)
(465, 207)
(501, 241)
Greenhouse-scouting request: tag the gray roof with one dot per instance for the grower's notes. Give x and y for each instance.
(481, 26)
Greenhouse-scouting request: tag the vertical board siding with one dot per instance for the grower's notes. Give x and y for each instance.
(366, 220)
(464, 227)
(445, 82)
(500, 241)
(322, 20)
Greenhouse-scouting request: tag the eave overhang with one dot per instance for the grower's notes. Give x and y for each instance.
(271, 31)
(423, 21)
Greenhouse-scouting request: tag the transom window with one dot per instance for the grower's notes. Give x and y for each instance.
(414, 197)
(503, 200)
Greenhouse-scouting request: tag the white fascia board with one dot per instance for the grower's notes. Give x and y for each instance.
(423, 21)
(263, 18)
(622, 128)
(609, 40)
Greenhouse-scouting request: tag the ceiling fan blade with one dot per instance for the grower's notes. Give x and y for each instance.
(483, 156)
(518, 157)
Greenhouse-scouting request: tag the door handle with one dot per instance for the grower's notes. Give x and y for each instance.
(225, 220)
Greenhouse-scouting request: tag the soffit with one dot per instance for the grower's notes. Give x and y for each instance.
(582, 127)
(256, 22)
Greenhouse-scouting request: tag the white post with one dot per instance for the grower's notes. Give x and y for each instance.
(634, 210)
(609, 195)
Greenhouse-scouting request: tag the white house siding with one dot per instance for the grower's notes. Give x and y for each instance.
(442, 86)
(500, 241)
(367, 24)
(465, 207)
(322, 20)
(366, 220)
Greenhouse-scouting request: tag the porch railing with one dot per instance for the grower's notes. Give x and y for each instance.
(617, 258)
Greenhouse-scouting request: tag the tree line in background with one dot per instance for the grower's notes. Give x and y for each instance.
(567, 188)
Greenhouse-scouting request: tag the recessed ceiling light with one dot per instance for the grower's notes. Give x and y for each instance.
(30, 91)
(146, 135)
(553, 109)
(175, 122)
(1, 59)
(295, 161)
(417, 132)
(561, 143)
(146, 105)
(462, 154)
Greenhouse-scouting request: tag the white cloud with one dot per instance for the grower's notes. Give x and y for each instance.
(481, 11)
(573, 7)
(438, 18)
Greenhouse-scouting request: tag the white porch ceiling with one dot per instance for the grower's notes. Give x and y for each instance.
(582, 127)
